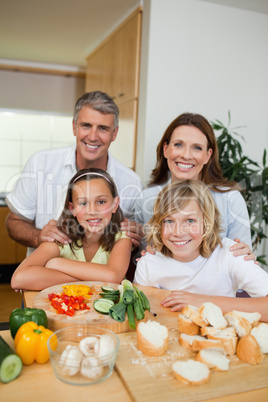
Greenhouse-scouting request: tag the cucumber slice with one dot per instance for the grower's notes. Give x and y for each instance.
(109, 289)
(10, 363)
(103, 305)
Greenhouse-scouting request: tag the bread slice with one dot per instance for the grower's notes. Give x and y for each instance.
(260, 333)
(249, 351)
(229, 331)
(197, 342)
(152, 338)
(187, 326)
(253, 318)
(190, 372)
(229, 342)
(241, 324)
(212, 314)
(214, 359)
(193, 313)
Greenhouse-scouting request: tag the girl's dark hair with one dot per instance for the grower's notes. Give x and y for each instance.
(70, 225)
(211, 173)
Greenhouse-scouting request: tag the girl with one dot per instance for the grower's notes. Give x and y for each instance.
(98, 251)
(191, 258)
(188, 150)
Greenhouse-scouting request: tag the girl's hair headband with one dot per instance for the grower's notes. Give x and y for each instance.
(93, 174)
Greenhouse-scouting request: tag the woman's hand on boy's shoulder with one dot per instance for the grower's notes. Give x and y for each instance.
(243, 249)
(133, 230)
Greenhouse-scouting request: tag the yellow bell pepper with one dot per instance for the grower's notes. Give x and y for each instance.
(31, 343)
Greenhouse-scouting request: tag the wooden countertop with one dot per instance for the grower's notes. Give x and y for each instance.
(33, 381)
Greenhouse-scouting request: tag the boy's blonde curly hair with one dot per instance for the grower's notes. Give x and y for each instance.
(173, 198)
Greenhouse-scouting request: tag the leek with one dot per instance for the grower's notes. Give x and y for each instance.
(118, 311)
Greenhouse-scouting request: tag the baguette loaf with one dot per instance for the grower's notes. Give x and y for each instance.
(191, 372)
(260, 333)
(213, 315)
(187, 326)
(152, 338)
(249, 351)
(214, 359)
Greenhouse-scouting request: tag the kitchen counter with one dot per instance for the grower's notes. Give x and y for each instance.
(130, 381)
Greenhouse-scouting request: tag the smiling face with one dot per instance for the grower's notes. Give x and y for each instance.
(186, 153)
(94, 133)
(182, 232)
(93, 205)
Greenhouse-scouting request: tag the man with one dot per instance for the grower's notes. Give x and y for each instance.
(38, 197)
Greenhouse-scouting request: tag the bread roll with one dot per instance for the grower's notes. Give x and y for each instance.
(187, 326)
(249, 351)
(152, 338)
(191, 372)
(214, 359)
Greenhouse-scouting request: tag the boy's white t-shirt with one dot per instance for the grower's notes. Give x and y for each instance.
(221, 274)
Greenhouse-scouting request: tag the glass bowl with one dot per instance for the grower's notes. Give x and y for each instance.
(83, 354)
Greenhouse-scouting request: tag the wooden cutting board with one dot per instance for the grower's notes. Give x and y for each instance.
(151, 378)
(90, 317)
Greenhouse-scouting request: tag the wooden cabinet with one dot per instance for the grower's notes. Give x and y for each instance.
(113, 67)
(10, 251)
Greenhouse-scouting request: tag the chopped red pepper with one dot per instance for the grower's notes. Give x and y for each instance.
(64, 304)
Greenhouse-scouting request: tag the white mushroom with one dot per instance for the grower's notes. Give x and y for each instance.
(89, 345)
(91, 368)
(106, 345)
(70, 360)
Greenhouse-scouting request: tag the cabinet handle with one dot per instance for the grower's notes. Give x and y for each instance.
(120, 95)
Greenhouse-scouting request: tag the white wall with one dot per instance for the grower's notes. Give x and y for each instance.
(204, 58)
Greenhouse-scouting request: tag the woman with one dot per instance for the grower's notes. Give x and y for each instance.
(188, 150)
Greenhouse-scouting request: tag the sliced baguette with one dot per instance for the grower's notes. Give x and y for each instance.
(152, 338)
(193, 313)
(249, 351)
(214, 359)
(229, 331)
(187, 326)
(228, 342)
(197, 342)
(260, 333)
(241, 324)
(191, 372)
(253, 318)
(212, 314)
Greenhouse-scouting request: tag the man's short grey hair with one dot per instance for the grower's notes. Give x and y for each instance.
(99, 101)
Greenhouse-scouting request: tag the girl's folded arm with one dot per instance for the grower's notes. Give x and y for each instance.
(31, 274)
(113, 272)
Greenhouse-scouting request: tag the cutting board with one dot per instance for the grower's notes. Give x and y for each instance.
(90, 317)
(151, 378)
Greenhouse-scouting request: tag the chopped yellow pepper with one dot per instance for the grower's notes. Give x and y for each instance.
(77, 290)
(31, 343)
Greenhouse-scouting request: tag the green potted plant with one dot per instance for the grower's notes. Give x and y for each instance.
(252, 178)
